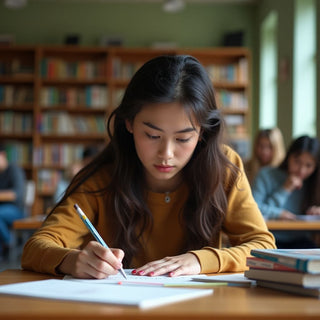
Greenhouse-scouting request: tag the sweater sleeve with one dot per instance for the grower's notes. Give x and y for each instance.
(269, 193)
(63, 231)
(244, 225)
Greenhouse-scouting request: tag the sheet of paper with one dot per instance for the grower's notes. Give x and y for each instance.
(232, 279)
(140, 296)
(143, 280)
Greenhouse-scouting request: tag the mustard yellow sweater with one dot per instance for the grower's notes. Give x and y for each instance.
(63, 230)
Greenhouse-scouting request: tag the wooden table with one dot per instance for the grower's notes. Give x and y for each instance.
(29, 223)
(284, 225)
(226, 303)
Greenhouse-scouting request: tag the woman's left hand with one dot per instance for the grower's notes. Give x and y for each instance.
(314, 211)
(184, 264)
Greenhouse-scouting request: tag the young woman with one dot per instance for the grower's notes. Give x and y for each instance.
(291, 189)
(162, 190)
(268, 150)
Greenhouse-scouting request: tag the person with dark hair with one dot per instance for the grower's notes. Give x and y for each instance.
(291, 189)
(162, 190)
(12, 188)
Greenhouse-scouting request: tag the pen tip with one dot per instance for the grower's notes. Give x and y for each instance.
(123, 273)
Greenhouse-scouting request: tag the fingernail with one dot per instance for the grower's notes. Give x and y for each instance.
(134, 271)
(151, 274)
(141, 272)
(171, 274)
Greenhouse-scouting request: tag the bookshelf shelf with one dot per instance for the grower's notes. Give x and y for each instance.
(63, 94)
(17, 79)
(74, 81)
(75, 109)
(77, 137)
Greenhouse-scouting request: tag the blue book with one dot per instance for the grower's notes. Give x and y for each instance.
(304, 260)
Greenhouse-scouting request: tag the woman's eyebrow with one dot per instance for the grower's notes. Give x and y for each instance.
(150, 125)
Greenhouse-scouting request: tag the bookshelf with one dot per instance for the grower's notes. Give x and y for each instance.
(55, 100)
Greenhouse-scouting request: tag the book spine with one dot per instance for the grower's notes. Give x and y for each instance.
(258, 263)
(297, 264)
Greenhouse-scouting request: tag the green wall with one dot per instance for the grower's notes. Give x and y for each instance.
(140, 24)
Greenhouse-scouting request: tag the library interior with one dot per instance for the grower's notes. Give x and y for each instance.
(64, 69)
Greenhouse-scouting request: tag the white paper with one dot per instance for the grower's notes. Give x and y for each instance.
(143, 280)
(141, 296)
(234, 278)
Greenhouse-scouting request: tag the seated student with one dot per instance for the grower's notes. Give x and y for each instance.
(291, 189)
(268, 150)
(88, 153)
(12, 188)
(161, 191)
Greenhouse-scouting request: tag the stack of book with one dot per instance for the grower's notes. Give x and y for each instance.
(291, 270)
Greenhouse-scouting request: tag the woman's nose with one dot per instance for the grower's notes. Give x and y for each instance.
(166, 150)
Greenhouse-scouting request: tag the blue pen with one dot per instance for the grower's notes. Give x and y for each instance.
(94, 232)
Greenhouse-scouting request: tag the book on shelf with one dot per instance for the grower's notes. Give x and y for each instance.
(16, 122)
(304, 260)
(313, 292)
(94, 96)
(304, 279)
(259, 263)
(52, 68)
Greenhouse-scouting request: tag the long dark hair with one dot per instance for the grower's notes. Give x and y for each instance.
(312, 146)
(165, 79)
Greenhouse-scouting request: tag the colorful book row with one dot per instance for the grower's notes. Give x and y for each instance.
(57, 154)
(124, 69)
(52, 68)
(15, 67)
(237, 72)
(89, 96)
(61, 123)
(15, 95)
(231, 100)
(16, 123)
(19, 153)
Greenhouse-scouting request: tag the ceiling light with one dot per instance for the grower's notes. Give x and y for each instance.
(173, 5)
(15, 4)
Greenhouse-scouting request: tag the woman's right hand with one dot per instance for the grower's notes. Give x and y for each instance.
(93, 261)
(292, 183)
(287, 215)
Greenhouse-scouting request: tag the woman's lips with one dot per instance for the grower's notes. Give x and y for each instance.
(165, 169)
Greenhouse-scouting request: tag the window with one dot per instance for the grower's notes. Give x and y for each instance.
(304, 69)
(268, 74)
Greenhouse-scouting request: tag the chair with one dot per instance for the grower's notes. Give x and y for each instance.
(23, 228)
(29, 197)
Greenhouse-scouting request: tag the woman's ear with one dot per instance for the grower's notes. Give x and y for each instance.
(129, 125)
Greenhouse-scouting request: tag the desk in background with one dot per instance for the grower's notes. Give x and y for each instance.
(285, 225)
(296, 225)
(22, 229)
(226, 303)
